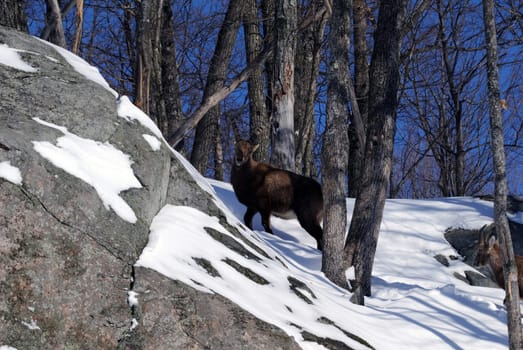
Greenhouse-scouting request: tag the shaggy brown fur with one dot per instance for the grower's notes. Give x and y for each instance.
(268, 190)
(489, 253)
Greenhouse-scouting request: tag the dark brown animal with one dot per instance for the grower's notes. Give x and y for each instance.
(268, 190)
(489, 254)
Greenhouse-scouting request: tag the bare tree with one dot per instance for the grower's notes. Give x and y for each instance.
(285, 25)
(79, 21)
(54, 31)
(383, 103)
(335, 143)
(443, 97)
(171, 96)
(268, 11)
(205, 139)
(259, 119)
(148, 70)
(12, 14)
(307, 63)
(500, 199)
(361, 95)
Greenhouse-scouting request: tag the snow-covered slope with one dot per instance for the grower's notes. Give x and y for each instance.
(417, 302)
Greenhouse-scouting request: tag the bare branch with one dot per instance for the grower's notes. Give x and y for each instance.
(222, 93)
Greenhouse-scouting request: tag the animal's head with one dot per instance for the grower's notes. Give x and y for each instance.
(486, 247)
(243, 152)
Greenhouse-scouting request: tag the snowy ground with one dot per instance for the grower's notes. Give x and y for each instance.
(416, 303)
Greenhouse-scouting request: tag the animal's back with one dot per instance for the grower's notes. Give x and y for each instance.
(307, 193)
(276, 189)
(241, 181)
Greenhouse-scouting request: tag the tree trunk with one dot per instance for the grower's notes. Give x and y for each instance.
(148, 70)
(361, 90)
(259, 121)
(285, 25)
(383, 103)
(12, 14)
(54, 30)
(510, 272)
(268, 14)
(205, 138)
(79, 21)
(335, 142)
(130, 38)
(305, 81)
(170, 77)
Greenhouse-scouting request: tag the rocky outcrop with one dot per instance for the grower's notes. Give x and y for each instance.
(466, 244)
(195, 320)
(67, 258)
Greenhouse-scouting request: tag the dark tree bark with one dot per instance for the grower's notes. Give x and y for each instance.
(205, 138)
(305, 80)
(361, 91)
(335, 143)
(170, 78)
(512, 300)
(54, 30)
(383, 103)
(148, 70)
(453, 182)
(268, 13)
(12, 14)
(259, 121)
(285, 30)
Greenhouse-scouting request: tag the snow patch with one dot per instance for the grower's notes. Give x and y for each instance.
(100, 165)
(81, 66)
(31, 325)
(134, 324)
(10, 173)
(128, 111)
(153, 142)
(10, 57)
(132, 298)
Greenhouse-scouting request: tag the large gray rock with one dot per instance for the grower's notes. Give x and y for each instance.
(67, 261)
(196, 320)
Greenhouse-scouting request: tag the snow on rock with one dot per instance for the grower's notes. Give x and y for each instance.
(81, 66)
(31, 325)
(128, 111)
(10, 173)
(11, 57)
(153, 142)
(101, 165)
(132, 298)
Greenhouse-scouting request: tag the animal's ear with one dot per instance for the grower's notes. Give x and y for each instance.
(254, 148)
(491, 241)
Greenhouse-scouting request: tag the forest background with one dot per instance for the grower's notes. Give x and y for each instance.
(442, 142)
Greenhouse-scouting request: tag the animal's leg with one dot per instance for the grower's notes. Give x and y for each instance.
(313, 228)
(266, 221)
(247, 218)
